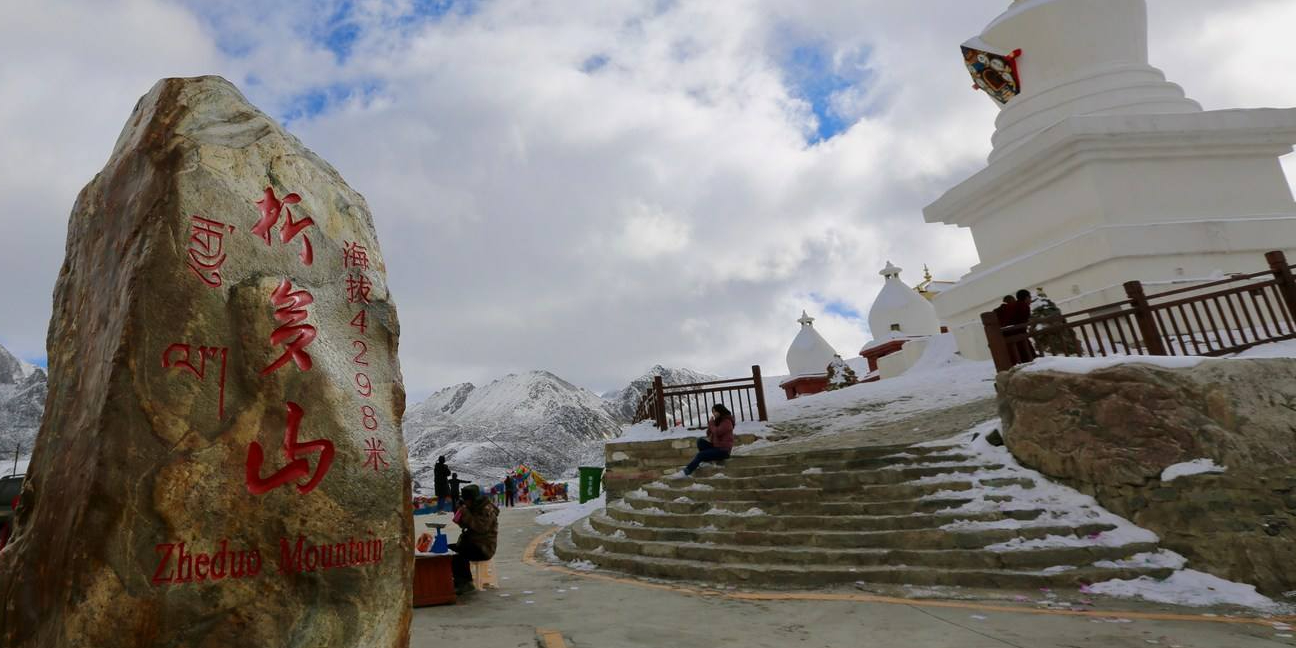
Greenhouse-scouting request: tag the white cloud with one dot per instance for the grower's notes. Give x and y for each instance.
(589, 187)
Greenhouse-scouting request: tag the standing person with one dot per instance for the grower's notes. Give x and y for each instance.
(454, 488)
(479, 520)
(719, 439)
(1019, 314)
(441, 485)
(510, 490)
(1007, 310)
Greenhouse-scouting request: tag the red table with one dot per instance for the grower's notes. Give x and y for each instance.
(433, 580)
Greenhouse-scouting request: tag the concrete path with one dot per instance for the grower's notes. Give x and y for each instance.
(585, 610)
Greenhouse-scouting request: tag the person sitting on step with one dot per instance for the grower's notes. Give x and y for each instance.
(719, 439)
(479, 520)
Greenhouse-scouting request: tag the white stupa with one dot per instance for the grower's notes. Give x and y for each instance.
(899, 311)
(1103, 171)
(809, 354)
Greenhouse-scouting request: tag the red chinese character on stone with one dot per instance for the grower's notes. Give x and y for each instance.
(358, 289)
(172, 359)
(355, 255)
(270, 209)
(291, 312)
(295, 452)
(374, 451)
(207, 249)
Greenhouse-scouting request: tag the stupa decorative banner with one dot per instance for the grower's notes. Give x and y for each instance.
(220, 462)
(993, 71)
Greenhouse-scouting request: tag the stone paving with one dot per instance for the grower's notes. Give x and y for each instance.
(603, 611)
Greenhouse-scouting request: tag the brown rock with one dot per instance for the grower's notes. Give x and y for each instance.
(210, 308)
(1113, 431)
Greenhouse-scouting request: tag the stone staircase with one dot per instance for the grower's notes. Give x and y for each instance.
(872, 515)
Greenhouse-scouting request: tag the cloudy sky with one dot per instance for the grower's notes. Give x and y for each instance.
(584, 186)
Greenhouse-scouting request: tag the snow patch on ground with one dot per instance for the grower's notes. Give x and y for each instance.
(1065, 364)
(845, 410)
(1284, 349)
(1186, 587)
(1061, 506)
(812, 471)
(700, 487)
(1194, 467)
(571, 512)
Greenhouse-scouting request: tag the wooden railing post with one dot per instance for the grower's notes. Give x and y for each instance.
(1286, 284)
(659, 402)
(1152, 338)
(994, 338)
(760, 393)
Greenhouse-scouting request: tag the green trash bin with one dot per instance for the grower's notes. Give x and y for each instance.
(591, 478)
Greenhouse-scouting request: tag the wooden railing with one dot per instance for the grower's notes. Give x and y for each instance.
(690, 405)
(1211, 319)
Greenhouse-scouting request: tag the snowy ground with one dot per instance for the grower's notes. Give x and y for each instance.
(1065, 506)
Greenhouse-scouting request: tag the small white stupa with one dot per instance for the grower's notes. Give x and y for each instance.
(807, 359)
(899, 311)
(901, 321)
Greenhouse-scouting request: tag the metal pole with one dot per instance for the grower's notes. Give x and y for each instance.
(17, 449)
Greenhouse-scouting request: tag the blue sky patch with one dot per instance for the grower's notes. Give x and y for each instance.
(594, 63)
(315, 101)
(836, 307)
(814, 76)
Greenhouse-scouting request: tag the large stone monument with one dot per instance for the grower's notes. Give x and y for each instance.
(220, 462)
(1102, 171)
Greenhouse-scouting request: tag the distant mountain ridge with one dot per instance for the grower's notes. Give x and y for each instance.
(623, 402)
(23, 389)
(533, 417)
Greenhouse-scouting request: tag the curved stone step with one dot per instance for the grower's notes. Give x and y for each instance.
(792, 576)
(812, 457)
(826, 480)
(754, 531)
(584, 535)
(740, 466)
(695, 515)
(816, 507)
(877, 493)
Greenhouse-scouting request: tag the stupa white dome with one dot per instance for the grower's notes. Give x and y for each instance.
(899, 311)
(809, 354)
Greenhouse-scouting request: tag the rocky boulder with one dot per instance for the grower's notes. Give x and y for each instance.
(220, 460)
(1113, 431)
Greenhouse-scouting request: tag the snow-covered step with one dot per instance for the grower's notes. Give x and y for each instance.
(819, 575)
(814, 457)
(878, 493)
(587, 536)
(829, 480)
(858, 538)
(685, 502)
(743, 466)
(702, 514)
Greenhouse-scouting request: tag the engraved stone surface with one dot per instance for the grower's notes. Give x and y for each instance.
(220, 462)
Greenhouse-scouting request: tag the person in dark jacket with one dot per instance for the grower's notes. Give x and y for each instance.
(441, 485)
(1007, 310)
(719, 440)
(1019, 314)
(510, 490)
(455, 483)
(479, 520)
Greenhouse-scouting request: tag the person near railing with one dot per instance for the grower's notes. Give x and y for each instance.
(719, 439)
(1019, 314)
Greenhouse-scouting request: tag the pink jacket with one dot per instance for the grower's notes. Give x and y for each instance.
(721, 435)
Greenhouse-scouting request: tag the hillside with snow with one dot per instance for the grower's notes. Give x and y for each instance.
(534, 418)
(23, 390)
(623, 402)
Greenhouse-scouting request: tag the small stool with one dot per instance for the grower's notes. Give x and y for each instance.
(483, 573)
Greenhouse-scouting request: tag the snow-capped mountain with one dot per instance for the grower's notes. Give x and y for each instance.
(22, 402)
(622, 403)
(535, 418)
